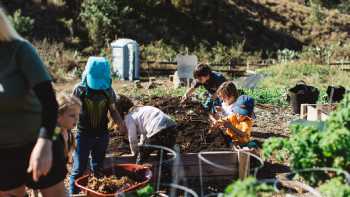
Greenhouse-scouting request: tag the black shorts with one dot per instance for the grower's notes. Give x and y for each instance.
(14, 164)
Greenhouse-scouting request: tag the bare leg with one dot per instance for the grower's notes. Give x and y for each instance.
(57, 190)
(17, 192)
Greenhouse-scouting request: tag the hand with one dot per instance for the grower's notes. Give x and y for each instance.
(227, 124)
(122, 128)
(218, 108)
(40, 159)
(183, 99)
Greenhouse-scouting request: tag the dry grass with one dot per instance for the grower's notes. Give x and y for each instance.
(296, 20)
(321, 76)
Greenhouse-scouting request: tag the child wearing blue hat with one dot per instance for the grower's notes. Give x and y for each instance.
(97, 98)
(238, 112)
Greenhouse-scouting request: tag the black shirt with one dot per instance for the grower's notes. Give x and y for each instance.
(214, 82)
(93, 118)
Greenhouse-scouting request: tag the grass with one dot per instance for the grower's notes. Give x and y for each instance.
(273, 96)
(284, 76)
(159, 91)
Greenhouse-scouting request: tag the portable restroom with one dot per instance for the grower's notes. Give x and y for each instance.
(125, 59)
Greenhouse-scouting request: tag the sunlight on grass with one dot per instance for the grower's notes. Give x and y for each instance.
(321, 76)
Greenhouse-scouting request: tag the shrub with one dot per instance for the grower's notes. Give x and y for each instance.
(335, 188)
(249, 187)
(286, 55)
(103, 18)
(22, 24)
(158, 51)
(310, 147)
(63, 64)
(317, 14)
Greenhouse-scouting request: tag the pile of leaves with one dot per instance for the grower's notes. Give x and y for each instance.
(110, 184)
(312, 146)
(249, 187)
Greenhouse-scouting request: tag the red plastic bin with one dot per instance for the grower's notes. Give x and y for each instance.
(136, 172)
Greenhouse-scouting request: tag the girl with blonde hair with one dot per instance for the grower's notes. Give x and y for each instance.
(28, 117)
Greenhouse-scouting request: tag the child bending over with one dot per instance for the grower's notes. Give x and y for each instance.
(148, 124)
(211, 81)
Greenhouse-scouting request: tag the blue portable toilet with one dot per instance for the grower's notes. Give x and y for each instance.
(126, 59)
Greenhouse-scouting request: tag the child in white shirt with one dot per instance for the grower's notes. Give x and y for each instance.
(146, 125)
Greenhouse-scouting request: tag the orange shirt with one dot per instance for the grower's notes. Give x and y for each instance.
(244, 124)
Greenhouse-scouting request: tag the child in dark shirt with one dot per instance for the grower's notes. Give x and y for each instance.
(211, 81)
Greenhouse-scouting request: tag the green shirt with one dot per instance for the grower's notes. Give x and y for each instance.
(20, 110)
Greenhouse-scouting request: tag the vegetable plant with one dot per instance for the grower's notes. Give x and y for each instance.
(249, 187)
(310, 147)
(335, 188)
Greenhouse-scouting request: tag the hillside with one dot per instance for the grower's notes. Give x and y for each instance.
(263, 24)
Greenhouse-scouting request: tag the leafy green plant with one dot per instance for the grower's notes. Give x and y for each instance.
(274, 96)
(310, 147)
(271, 145)
(249, 187)
(145, 192)
(286, 55)
(22, 24)
(335, 188)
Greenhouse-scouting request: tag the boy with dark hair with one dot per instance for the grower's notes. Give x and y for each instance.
(211, 81)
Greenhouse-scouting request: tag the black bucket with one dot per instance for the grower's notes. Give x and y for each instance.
(302, 94)
(335, 93)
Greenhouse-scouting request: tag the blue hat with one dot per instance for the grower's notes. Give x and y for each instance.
(244, 106)
(97, 74)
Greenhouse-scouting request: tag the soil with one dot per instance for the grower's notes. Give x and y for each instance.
(193, 125)
(110, 184)
(192, 121)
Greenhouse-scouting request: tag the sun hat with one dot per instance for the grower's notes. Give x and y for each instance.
(244, 106)
(97, 74)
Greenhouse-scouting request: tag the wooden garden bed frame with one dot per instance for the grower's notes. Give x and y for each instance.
(315, 112)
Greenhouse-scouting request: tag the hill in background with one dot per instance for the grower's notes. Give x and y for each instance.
(263, 24)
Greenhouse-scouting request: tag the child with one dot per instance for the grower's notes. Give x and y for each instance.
(98, 98)
(68, 114)
(63, 142)
(211, 81)
(238, 113)
(149, 124)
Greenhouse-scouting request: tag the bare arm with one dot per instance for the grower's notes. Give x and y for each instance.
(117, 119)
(188, 93)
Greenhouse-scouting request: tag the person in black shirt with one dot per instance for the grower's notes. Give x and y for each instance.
(211, 81)
(97, 98)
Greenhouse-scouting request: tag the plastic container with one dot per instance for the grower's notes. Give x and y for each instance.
(125, 59)
(138, 173)
(302, 94)
(335, 93)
